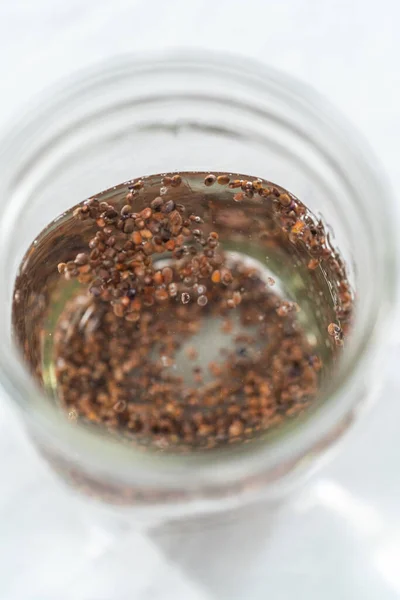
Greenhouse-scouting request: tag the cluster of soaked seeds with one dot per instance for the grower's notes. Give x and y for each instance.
(155, 277)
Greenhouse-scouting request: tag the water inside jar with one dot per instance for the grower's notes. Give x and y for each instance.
(191, 311)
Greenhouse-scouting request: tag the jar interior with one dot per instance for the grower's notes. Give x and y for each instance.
(138, 124)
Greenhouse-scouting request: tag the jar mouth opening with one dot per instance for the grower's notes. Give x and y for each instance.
(315, 426)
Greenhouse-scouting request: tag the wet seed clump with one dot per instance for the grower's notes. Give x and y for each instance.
(171, 333)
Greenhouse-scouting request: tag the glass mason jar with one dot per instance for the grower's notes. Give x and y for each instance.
(196, 112)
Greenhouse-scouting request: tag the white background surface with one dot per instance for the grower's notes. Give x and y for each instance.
(342, 539)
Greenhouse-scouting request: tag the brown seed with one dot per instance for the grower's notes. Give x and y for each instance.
(282, 310)
(167, 274)
(137, 238)
(137, 185)
(157, 203)
(223, 179)
(132, 317)
(77, 213)
(146, 234)
(238, 197)
(95, 290)
(110, 242)
(204, 430)
(170, 245)
(81, 259)
(313, 264)
(216, 276)
(175, 223)
(158, 278)
(285, 199)
(226, 277)
(119, 310)
(129, 226)
(169, 206)
(333, 329)
(236, 428)
(146, 213)
(315, 362)
(85, 269)
(61, 267)
(161, 295)
(148, 248)
(210, 179)
(176, 180)
(298, 227)
(236, 183)
(111, 214)
(126, 210)
(257, 184)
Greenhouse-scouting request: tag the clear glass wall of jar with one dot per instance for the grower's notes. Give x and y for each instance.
(195, 112)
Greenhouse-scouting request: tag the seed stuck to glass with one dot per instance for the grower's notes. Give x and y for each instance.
(223, 179)
(333, 329)
(313, 264)
(176, 180)
(210, 180)
(238, 197)
(298, 227)
(236, 183)
(285, 200)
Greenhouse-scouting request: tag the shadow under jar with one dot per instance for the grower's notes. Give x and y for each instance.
(268, 342)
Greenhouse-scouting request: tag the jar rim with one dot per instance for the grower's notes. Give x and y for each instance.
(308, 433)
